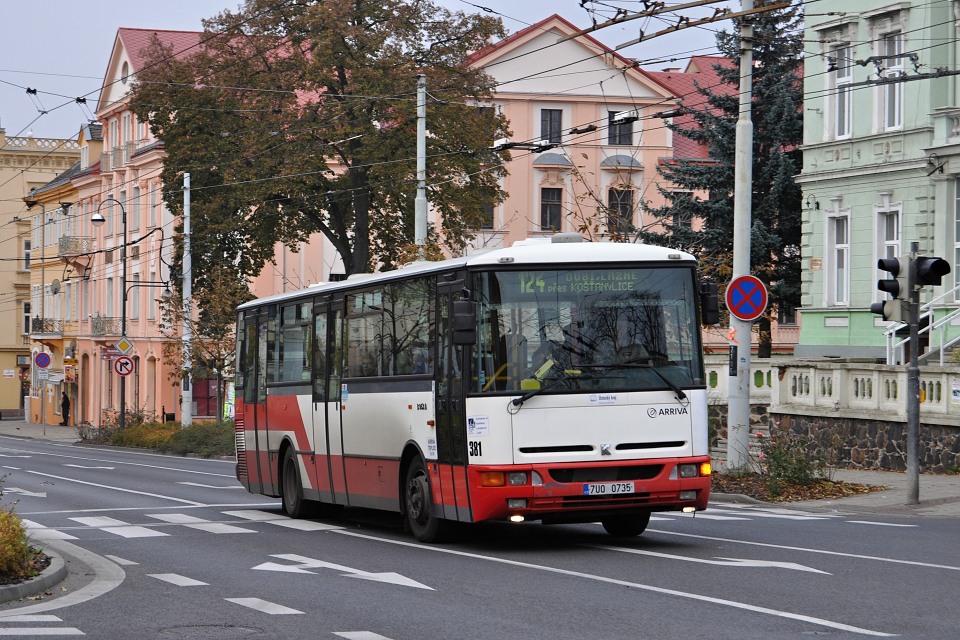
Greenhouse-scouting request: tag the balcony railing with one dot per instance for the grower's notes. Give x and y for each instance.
(105, 326)
(46, 326)
(75, 245)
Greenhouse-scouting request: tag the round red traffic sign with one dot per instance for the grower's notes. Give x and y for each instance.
(746, 298)
(42, 360)
(123, 365)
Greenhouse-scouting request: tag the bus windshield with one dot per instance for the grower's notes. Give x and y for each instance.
(606, 330)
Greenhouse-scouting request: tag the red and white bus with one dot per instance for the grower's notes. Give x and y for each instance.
(554, 381)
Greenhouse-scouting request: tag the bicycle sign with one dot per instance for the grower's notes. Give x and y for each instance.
(746, 298)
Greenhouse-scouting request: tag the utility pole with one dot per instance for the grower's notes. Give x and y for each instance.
(738, 411)
(420, 204)
(186, 397)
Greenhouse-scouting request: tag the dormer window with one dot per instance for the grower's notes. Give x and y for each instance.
(125, 72)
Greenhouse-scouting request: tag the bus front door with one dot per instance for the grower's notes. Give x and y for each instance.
(327, 410)
(451, 418)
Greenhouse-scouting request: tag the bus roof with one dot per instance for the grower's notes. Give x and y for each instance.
(526, 252)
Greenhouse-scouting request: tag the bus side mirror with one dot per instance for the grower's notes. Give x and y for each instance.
(464, 322)
(709, 303)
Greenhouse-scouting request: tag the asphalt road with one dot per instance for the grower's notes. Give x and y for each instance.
(168, 547)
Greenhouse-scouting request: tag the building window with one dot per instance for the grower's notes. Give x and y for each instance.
(891, 47)
(843, 97)
(618, 134)
(619, 210)
(888, 227)
(551, 122)
(26, 318)
(26, 254)
(152, 300)
(838, 248)
(487, 217)
(135, 296)
(109, 296)
(786, 314)
(550, 207)
(682, 208)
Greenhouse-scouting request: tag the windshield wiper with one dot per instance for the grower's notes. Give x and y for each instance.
(565, 374)
(677, 391)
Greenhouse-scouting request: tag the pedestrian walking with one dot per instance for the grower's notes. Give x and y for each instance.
(65, 410)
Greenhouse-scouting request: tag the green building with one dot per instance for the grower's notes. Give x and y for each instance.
(881, 171)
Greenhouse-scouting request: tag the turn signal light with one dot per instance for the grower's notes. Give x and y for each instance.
(705, 469)
(493, 479)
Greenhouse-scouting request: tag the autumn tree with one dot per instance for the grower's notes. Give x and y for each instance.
(300, 117)
(211, 323)
(698, 215)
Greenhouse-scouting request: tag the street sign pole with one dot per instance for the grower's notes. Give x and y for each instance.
(913, 391)
(738, 411)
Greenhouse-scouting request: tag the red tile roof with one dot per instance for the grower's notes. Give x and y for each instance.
(136, 42)
(700, 72)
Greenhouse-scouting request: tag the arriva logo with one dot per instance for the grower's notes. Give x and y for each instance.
(653, 412)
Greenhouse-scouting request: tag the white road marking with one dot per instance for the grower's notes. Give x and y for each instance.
(880, 524)
(7, 455)
(209, 486)
(24, 492)
(120, 528)
(11, 468)
(636, 585)
(782, 514)
(311, 563)
(723, 562)
(121, 561)
(177, 579)
(107, 486)
(710, 516)
(130, 464)
(33, 632)
(36, 618)
(360, 635)
(198, 523)
(39, 532)
(281, 520)
(264, 606)
(81, 466)
(912, 563)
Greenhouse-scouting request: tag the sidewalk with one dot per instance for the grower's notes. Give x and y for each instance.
(939, 494)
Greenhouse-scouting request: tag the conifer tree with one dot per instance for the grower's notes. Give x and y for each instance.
(698, 215)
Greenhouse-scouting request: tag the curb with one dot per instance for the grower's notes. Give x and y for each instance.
(55, 573)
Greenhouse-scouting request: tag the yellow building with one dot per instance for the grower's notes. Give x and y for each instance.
(25, 163)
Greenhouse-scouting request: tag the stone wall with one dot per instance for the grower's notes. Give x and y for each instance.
(877, 444)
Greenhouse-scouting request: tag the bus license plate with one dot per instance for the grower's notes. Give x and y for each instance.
(607, 488)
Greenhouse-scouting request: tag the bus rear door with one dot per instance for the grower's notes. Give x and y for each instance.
(327, 410)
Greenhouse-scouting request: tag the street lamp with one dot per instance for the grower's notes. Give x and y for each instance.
(97, 219)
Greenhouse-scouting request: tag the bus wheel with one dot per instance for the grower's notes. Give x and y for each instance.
(418, 501)
(291, 487)
(626, 526)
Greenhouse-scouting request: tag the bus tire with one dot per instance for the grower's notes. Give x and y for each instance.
(418, 503)
(626, 526)
(291, 487)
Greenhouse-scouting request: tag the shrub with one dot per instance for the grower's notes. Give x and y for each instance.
(149, 435)
(16, 556)
(788, 458)
(204, 439)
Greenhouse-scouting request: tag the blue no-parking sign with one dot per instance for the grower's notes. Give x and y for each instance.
(42, 360)
(746, 298)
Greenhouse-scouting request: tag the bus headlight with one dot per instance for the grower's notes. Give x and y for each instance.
(517, 478)
(689, 470)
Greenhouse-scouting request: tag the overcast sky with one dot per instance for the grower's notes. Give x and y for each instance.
(60, 48)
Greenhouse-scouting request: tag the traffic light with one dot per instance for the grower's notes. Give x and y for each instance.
(931, 270)
(899, 287)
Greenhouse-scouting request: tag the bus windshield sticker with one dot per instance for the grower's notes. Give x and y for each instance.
(603, 398)
(478, 426)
